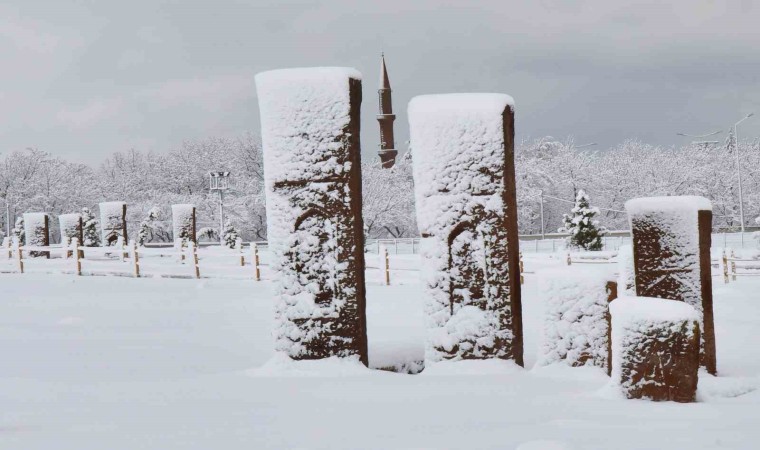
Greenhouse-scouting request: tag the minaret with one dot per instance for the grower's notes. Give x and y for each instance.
(386, 117)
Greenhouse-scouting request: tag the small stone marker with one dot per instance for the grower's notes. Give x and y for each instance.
(655, 348)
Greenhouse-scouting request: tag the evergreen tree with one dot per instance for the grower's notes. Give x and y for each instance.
(230, 234)
(148, 226)
(89, 229)
(18, 231)
(585, 232)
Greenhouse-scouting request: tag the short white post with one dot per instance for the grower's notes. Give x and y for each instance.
(120, 248)
(387, 267)
(135, 259)
(194, 250)
(7, 246)
(239, 248)
(19, 257)
(180, 251)
(255, 256)
(76, 253)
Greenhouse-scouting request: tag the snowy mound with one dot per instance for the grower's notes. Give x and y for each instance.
(575, 316)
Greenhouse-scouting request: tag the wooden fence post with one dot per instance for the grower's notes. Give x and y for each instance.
(522, 269)
(255, 251)
(725, 267)
(77, 255)
(135, 259)
(180, 249)
(387, 267)
(20, 258)
(195, 259)
(569, 261)
(733, 266)
(239, 248)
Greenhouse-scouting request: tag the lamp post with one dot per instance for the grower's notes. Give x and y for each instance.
(739, 176)
(7, 214)
(543, 230)
(219, 181)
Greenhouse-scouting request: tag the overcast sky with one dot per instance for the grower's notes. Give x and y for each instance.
(83, 79)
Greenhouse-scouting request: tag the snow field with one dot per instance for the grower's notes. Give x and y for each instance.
(123, 363)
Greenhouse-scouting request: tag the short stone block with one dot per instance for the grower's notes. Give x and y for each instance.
(655, 348)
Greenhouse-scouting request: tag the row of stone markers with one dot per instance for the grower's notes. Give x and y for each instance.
(113, 222)
(466, 210)
(652, 345)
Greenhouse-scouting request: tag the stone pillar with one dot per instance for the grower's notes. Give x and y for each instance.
(671, 257)
(113, 222)
(655, 348)
(464, 181)
(71, 226)
(37, 232)
(183, 222)
(312, 167)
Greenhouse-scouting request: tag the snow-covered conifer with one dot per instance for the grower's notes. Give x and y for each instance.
(148, 226)
(90, 229)
(231, 234)
(585, 232)
(18, 231)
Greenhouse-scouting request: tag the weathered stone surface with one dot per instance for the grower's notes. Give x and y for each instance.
(671, 253)
(312, 166)
(655, 347)
(463, 148)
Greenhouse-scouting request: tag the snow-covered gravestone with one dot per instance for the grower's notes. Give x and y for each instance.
(576, 323)
(671, 257)
(464, 183)
(71, 228)
(37, 231)
(113, 222)
(183, 222)
(655, 348)
(312, 168)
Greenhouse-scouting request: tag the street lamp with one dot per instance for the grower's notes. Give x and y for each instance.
(739, 176)
(219, 181)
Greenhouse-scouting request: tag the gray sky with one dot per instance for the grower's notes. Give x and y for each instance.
(83, 79)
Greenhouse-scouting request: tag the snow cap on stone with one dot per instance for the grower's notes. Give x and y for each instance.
(682, 203)
(303, 114)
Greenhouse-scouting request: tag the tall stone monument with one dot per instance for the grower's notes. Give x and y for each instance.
(464, 176)
(312, 174)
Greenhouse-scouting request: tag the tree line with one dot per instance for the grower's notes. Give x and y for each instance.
(34, 180)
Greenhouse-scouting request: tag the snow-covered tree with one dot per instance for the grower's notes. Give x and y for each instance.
(18, 232)
(150, 227)
(90, 229)
(230, 234)
(585, 232)
(209, 233)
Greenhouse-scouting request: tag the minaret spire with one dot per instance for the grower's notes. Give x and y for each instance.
(385, 118)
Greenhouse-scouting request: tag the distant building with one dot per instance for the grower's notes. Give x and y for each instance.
(385, 117)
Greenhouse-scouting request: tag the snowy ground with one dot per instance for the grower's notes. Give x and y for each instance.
(121, 363)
